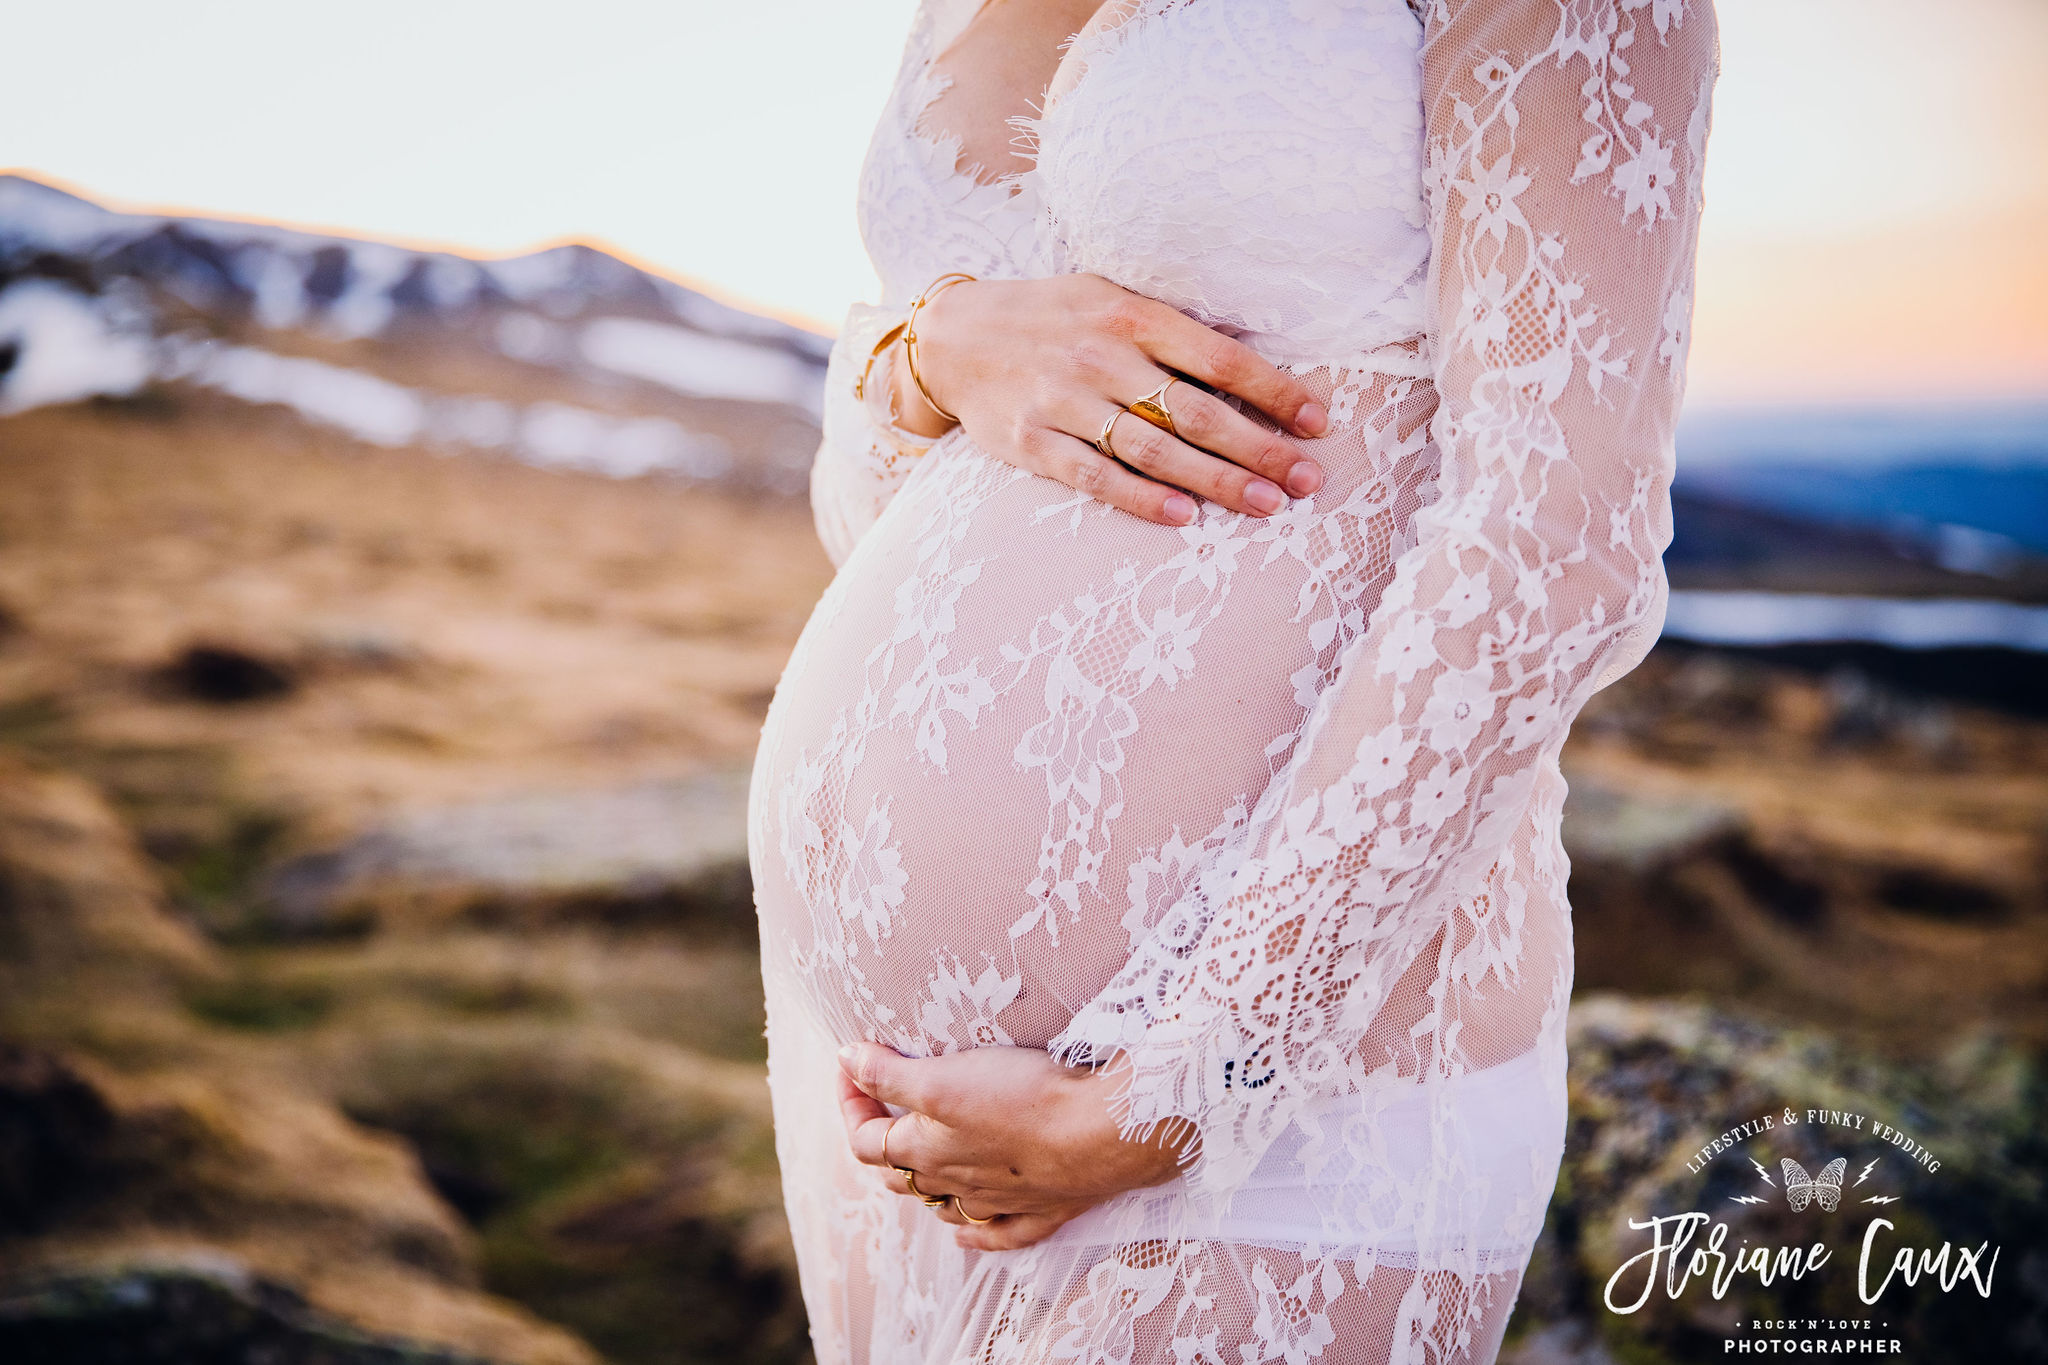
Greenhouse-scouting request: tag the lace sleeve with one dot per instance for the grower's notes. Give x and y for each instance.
(1565, 150)
(863, 457)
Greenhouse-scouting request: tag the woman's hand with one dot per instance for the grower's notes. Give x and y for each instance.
(1007, 1131)
(1033, 368)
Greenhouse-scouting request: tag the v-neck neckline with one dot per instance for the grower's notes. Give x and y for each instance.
(932, 83)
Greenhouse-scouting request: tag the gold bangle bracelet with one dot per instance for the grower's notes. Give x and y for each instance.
(867, 371)
(931, 291)
(887, 432)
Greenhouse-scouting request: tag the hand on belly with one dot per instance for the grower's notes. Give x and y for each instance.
(1037, 371)
(1022, 1142)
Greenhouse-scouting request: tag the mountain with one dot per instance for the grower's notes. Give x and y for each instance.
(1977, 517)
(570, 357)
(1962, 487)
(1732, 539)
(567, 356)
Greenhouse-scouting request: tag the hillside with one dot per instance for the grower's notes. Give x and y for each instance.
(423, 775)
(572, 358)
(384, 638)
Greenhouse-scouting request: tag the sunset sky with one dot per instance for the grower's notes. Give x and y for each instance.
(1878, 171)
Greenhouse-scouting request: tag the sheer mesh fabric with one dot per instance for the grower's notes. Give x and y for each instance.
(1271, 806)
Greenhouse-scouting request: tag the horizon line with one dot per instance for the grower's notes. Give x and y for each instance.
(431, 245)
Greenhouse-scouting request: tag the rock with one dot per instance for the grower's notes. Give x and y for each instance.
(128, 1131)
(236, 1167)
(137, 1156)
(1638, 831)
(668, 1273)
(624, 1188)
(227, 674)
(1560, 1343)
(673, 853)
(198, 1310)
(54, 1127)
(80, 908)
(1673, 893)
(357, 647)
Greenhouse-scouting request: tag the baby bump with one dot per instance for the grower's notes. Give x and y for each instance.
(1012, 729)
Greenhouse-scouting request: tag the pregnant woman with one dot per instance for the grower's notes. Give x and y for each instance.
(1156, 829)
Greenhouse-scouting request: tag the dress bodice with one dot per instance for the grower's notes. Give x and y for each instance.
(1257, 165)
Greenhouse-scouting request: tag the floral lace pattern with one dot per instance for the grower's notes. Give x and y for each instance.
(1269, 806)
(920, 218)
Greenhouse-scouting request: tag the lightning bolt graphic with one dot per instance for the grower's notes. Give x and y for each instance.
(1762, 1172)
(1750, 1199)
(1882, 1199)
(1865, 1174)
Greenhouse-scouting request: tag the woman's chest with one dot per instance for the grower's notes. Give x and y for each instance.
(922, 209)
(1255, 162)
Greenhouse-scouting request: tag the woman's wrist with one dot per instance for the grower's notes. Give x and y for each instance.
(917, 325)
(908, 408)
(1125, 1163)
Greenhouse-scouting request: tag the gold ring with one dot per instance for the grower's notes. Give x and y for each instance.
(930, 1201)
(1102, 442)
(970, 1217)
(1152, 407)
(909, 1175)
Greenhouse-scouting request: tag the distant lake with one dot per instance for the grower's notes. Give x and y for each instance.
(1777, 618)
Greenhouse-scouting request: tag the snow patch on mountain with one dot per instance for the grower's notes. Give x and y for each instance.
(353, 288)
(699, 365)
(379, 412)
(97, 302)
(58, 346)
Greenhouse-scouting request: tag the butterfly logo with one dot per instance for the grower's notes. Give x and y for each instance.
(1824, 1189)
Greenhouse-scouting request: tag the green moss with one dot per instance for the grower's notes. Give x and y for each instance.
(499, 995)
(633, 1264)
(213, 876)
(587, 1174)
(261, 1005)
(186, 1315)
(33, 722)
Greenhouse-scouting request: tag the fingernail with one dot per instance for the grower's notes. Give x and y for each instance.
(1264, 497)
(1311, 420)
(1180, 509)
(847, 1054)
(1305, 478)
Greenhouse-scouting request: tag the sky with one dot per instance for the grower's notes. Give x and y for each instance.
(1877, 174)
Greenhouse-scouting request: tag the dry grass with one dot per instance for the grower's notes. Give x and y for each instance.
(572, 1115)
(1889, 879)
(472, 624)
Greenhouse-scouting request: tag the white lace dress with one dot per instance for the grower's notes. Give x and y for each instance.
(1270, 805)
